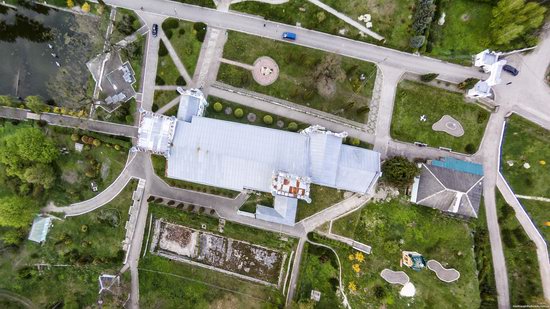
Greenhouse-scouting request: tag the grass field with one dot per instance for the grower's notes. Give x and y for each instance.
(526, 142)
(465, 32)
(211, 113)
(185, 43)
(521, 258)
(390, 227)
(538, 211)
(321, 198)
(159, 164)
(167, 72)
(126, 22)
(415, 99)
(298, 68)
(90, 244)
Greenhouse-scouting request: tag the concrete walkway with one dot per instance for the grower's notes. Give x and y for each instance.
(347, 20)
(295, 271)
(348, 205)
(177, 61)
(208, 63)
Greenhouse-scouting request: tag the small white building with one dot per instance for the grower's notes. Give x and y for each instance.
(486, 59)
(480, 90)
(489, 62)
(155, 133)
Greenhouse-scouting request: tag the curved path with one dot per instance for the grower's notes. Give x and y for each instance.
(9, 295)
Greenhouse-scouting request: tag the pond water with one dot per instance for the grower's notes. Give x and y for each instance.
(44, 52)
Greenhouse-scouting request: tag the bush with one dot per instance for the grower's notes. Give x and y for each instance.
(84, 228)
(155, 107)
(468, 83)
(170, 203)
(162, 50)
(423, 15)
(470, 148)
(180, 81)
(355, 141)
(168, 34)
(96, 142)
(399, 171)
(181, 31)
(129, 119)
(117, 147)
(238, 113)
(170, 23)
(293, 126)
(200, 31)
(363, 109)
(428, 77)
(75, 137)
(482, 116)
(7, 101)
(159, 81)
(86, 7)
(218, 107)
(268, 119)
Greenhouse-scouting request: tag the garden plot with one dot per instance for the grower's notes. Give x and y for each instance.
(224, 254)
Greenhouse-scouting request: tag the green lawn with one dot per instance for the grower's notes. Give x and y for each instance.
(163, 97)
(298, 67)
(321, 198)
(90, 244)
(539, 213)
(258, 198)
(465, 32)
(159, 164)
(211, 113)
(526, 142)
(390, 227)
(185, 43)
(205, 3)
(415, 99)
(167, 72)
(521, 258)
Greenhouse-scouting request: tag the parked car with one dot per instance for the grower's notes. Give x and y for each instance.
(155, 30)
(289, 36)
(510, 69)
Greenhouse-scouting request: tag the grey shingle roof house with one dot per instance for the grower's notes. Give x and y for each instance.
(450, 185)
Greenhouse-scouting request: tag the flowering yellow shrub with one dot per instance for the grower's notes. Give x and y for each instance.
(359, 256)
(350, 257)
(356, 268)
(352, 286)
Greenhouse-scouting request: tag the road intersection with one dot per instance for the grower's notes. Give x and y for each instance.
(528, 96)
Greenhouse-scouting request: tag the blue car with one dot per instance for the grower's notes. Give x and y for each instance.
(155, 30)
(289, 36)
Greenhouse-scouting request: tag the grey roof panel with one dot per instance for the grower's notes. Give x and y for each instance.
(357, 168)
(454, 180)
(324, 150)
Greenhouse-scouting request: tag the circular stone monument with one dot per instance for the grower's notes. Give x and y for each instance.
(265, 71)
(449, 125)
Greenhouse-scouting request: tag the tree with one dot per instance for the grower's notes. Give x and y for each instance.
(217, 107)
(423, 15)
(28, 145)
(86, 7)
(399, 171)
(468, 83)
(428, 77)
(327, 73)
(268, 119)
(40, 174)
(417, 41)
(36, 104)
(16, 211)
(180, 81)
(513, 19)
(75, 137)
(12, 236)
(70, 4)
(200, 31)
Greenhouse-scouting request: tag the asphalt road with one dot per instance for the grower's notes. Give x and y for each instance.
(309, 38)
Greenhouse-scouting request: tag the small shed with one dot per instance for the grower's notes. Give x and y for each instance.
(40, 228)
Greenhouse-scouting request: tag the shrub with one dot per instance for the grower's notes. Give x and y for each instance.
(293, 126)
(159, 81)
(117, 147)
(170, 23)
(363, 109)
(170, 203)
(168, 34)
(162, 50)
(96, 142)
(180, 81)
(423, 15)
(268, 119)
(159, 200)
(75, 137)
(428, 77)
(238, 113)
(7, 101)
(399, 171)
(155, 107)
(468, 83)
(150, 199)
(218, 107)
(129, 119)
(70, 4)
(86, 7)
(200, 31)
(355, 141)
(181, 31)
(470, 148)
(84, 228)
(482, 116)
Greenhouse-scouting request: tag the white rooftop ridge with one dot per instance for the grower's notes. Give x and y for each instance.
(488, 61)
(238, 156)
